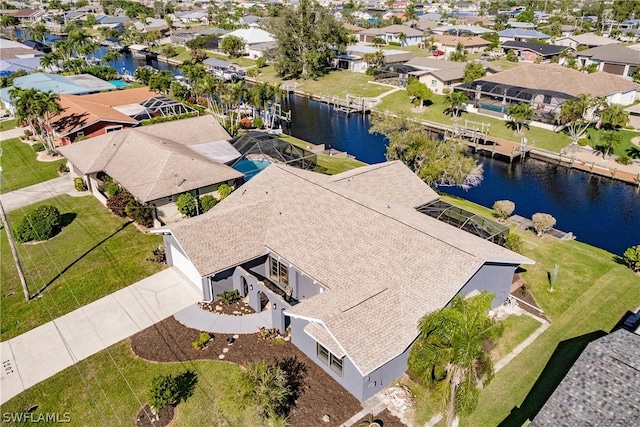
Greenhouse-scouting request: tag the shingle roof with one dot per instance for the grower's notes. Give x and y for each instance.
(590, 39)
(529, 34)
(601, 388)
(539, 48)
(392, 29)
(466, 41)
(155, 161)
(357, 235)
(553, 77)
(444, 70)
(612, 53)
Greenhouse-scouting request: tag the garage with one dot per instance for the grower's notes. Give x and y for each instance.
(182, 263)
(617, 69)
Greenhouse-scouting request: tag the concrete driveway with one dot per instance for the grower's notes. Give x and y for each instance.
(44, 351)
(35, 193)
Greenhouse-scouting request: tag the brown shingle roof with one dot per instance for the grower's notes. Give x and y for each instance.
(360, 237)
(468, 41)
(155, 161)
(556, 78)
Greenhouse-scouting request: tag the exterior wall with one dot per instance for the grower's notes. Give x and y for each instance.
(437, 85)
(303, 287)
(96, 129)
(494, 278)
(622, 98)
(172, 249)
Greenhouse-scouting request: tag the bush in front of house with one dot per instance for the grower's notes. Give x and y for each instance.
(63, 168)
(224, 190)
(207, 202)
(261, 62)
(38, 147)
(111, 188)
(514, 243)
(229, 297)
(142, 214)
(79, 184)
(118, 203)
(188, 204)
(170, 389)
(202, 341)
(42, 223)
(542, 223)
(258, 123)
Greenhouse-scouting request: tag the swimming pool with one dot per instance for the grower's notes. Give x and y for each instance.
(119, 83)
(251, 167)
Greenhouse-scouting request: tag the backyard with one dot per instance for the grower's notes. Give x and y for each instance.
(96, 254)
(20, 168)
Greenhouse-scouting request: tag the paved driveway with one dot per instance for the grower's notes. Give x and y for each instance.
(44, 351)
(35, 193)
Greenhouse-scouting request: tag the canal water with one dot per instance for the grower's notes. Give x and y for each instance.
(599, 211)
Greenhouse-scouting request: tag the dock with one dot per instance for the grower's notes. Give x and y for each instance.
(526, 224)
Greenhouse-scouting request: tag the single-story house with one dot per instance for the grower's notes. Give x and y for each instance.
(587, 39)
(442, 76)
(157, 163)
(449, 44)
(461, 30)
(546, 87)
(614, 59)
(532, 52)
(346, 261)
(392, 33)
(353, 58)
(252, 36)
(515, 34)
(600, 388)
(27, 15)
(16, 56)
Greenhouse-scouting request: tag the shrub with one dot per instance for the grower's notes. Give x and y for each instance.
(624, 159)
(169, 51)
(514, 243)
(394, 44)
(40, 224)
(446, 91)
(159, 255)
(261, 62)
(118, 203)
(224, 190)
(512, 57)
(28, 133)
(79, 184)
(202, 341)
(542, 223)
(268, 333)
(229, 297)
(258, 123)
(631, 257)
(38, 147)
(503, 209)
(246, 123)
(207, 202)
(583, 142)
(111, 188)
(265, 388)
(253, 72)
(63, 168)
(188, 204)
(171, 389)
(142, 214)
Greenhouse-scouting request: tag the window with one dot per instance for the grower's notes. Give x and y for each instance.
(279, 271)
(79, 133)
(329, 359)
(112, 129)
(434, 82)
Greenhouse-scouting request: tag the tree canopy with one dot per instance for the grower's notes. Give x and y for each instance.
(306, 37)
(232, 46)
(473, 71)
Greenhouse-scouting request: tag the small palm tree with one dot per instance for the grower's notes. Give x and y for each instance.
(610, 139)
(520, 113)
(455, 100)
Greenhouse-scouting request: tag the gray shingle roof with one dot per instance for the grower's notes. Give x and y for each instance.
(612, 53)
(357, 234)
(153, 162)
(602, 388)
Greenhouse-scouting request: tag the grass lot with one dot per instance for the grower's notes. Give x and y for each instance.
(8, 124)
(399, 103)
(21, 169)
(516, 330)
(625, 147)
(592, 293)
(331, 165)
(109, 388)
(184, 54)
(97, 254)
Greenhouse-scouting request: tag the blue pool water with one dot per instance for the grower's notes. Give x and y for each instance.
(251, 167)
(118, 83)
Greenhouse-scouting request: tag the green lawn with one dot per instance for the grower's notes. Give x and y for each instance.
(184, 54)
(516, 330)
(109, 388)
(8, 124)
(95, 255)
(399, 103)
(21, 169)
(625, 147)
(329, 164)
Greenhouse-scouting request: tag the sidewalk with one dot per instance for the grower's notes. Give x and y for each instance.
(206, 321)
(11, 133)
(45, 190)
(44, 351)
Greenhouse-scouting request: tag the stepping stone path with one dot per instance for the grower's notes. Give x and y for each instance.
(221, 357)
(225, 350)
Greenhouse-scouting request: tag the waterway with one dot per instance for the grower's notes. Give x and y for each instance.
(599, 211)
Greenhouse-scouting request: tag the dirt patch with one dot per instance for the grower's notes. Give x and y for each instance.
(164, 417)
(238, 308)
(170, 341)
(384, 419)
(519, 290)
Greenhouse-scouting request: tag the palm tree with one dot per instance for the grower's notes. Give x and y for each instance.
(610, 139)
(455, 100)
(403, 38)
(169, 22)
(195, 73)
(520, 113)
(449, 355)
(614, 116)
(64, 49)
(39, 31)
(32, 105)
(49, 107)
(573, 115)
(50, 60)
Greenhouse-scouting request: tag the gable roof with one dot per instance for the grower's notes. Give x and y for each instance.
(81, 111)
(539, 48)
(529, 34)
(590, 39)
(155, 161)
(466, 41)
(371, 250)
(443, 70)
(601, 388)
(553, 77)
(612, 53)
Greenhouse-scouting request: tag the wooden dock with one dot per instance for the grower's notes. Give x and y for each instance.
(348, 105)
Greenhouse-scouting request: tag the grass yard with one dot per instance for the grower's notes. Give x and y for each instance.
(8, 124)
(592, 293)
(399, 103)
(331, 165)
(109, 388)
(625, 147)
(21, 169)
(184, 54)
(95, 255)
(516, 330)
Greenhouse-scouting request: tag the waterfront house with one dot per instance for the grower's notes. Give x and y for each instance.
(252, 37)
(157, 163)
(532, 52)
(354, 57)
(346, 261)
(27, 16)
(614, 59)
(442, 76)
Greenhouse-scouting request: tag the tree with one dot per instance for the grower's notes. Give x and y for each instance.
(232, 46)
(224, 190)
(169, 22)
(520, 113)
(378, 41)
(36, 108)
(161, 81)
(459, 55)
(610, 139)
(613, 116)
(449, 354)
(473, 71)
(111, 57)
(188, 204)
(195, 73)
(503, 209)
(526, 15)
(500, 22)
(542, 223)
(410, 13)
(418, 91)
(573, 115)
(374, 60)
(307, 39)
(455, 100)
(39, 31)
(632, 258)
(438, 163)
(40, 224)
(171, 389)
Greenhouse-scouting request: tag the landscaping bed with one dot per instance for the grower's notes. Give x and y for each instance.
(169, 341)
(384, 418)
(146, 418)
(238, 308)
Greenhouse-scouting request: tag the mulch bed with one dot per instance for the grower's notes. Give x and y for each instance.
(238, 308)
(520, 291)
(165, 416)
(385, 419)
(170, 341)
